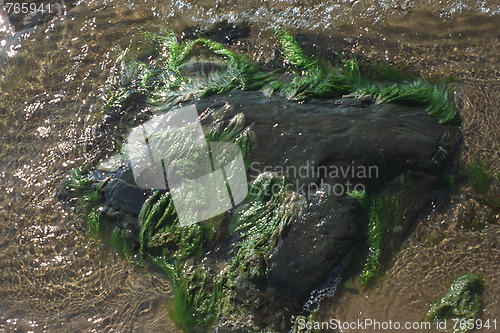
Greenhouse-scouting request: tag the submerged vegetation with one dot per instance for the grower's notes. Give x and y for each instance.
(81, 187)
(461, 302)
(205, 291)
(380, 214)
(482, 189)
(260, 220)
(175, 248)
(163, 80)
(477, 175)
(202, 294)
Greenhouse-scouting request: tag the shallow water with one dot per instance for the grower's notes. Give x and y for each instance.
(54, 277)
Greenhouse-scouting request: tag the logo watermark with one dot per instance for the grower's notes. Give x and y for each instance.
(23, 15)
(366, 324)
(170, 152)
(374, 325)
(308, 179)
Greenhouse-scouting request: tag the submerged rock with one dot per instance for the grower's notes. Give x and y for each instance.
(324, 149)
(343, 137)
(314, 245)
(121, 192)
(307, 163)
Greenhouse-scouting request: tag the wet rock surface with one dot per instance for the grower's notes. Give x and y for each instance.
(314, 245)
(338, 134)
(335, 136)
(123, 194)
(316, 139)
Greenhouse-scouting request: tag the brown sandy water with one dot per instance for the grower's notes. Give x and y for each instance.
(53, 277)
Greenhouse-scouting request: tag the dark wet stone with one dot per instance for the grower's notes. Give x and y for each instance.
(122, 194)
(314, 245)
(337, 134)
(333, 134)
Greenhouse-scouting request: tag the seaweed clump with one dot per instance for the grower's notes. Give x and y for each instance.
(267, 212)
(380, 213)
(76, 185)
(462, 302)
(477, 175)
(164, 78)
(202, 292)
(482, 190)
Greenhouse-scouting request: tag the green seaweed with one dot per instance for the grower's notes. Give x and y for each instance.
(295, 56)
(376, 241)
(462, 302)
(168, 84)
(470, 221)
(309, 324)
(435, 97)
(94, 222)
(182, 311)
(200, 294)
(103, 227)
(119, 242)
(315, 82)
(235, 132)
(266, 213)
(162, 234)
(173, 248)
(160, 73)
(478, 175)
(81, 187)
(163, 82)
(197, 295)
(381, 213)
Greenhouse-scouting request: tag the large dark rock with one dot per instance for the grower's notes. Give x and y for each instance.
(122, 194)
(337, 134)
(314, 245)
(308, 139)
(334, 135)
